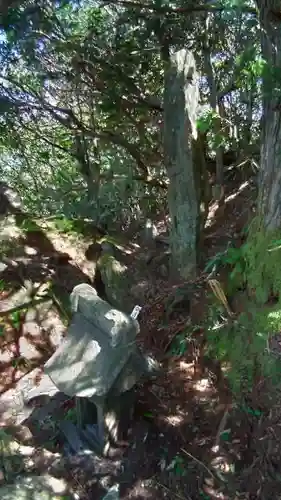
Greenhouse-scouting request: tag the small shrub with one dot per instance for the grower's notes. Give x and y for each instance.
(180, 344)
(231, 257)
(178, 466)
(27, 225)
(64, 225)
(234, 259)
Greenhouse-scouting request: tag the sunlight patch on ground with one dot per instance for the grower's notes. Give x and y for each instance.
(212, 213)
(188, 368)
(239, 191)
(202, 385)
(221, 462)
(9, 229)
(215, 205)
(175, 420)
(141, 490)
(30, 251)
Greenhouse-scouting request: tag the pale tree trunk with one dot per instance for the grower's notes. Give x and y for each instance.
(270, 174)
(90, 169)
(180, 108)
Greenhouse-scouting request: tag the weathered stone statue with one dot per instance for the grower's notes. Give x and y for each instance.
(98, 363)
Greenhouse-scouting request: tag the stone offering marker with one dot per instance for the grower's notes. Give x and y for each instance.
(98, 363)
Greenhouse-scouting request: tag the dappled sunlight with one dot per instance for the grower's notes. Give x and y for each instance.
(175, 420)
(215, 206)
(241, 188)
(188, 368)
(202, 385)
(30, 251)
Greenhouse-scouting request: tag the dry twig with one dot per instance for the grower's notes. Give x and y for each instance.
(176, 495)
(198, 461)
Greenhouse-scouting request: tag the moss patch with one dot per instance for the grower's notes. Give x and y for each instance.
(117, 282)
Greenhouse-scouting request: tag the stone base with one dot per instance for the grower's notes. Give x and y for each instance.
(105, 423)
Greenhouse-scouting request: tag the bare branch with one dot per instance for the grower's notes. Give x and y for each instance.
(47, 141)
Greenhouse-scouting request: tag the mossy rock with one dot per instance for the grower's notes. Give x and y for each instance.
(117, 283)
(160, 263)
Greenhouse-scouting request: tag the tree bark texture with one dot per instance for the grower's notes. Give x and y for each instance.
(181, 96)
(213, 99)
(6, 4)
(270, 172)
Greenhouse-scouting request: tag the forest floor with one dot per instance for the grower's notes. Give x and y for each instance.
(189, 439)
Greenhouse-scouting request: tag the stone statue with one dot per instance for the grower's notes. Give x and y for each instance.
(99, 364)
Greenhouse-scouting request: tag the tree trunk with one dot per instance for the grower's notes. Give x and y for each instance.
(203, 184)
(213, 99)
(180, 107)
(270, 172)
(5, 5)
(249, 120)
(90, 168)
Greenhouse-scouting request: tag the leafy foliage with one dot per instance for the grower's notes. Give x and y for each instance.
(243, 343)
(262, 262)
(242, 346)
(255, 264)
(81, 99)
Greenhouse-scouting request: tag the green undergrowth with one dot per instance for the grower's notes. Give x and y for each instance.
(86, 228)
(262, 262)
(7, 247)
(71, 227)
(60, 223)
(255, 265)
(241, 345)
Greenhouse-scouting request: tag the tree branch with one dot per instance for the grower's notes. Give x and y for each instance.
(149, 101)
(47, 141)
(68, 119)
(150, 181)
(180, 10)
(119, 140)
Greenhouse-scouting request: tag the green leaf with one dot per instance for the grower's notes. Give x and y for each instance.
(148, 415)
(45, 155)
(16, 319)
(225, 435)
(252, 411)
(237, 270)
